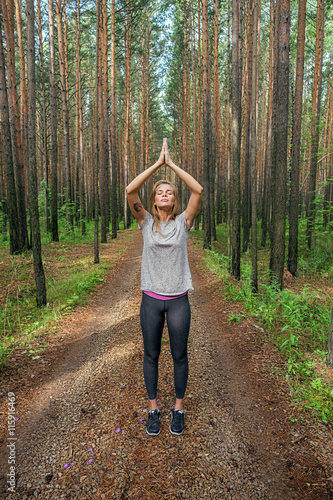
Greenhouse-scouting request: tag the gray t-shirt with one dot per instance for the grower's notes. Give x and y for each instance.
(165, 269)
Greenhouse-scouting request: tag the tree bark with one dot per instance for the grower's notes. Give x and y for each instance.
(206, 125)
(266, 201)
(316, 102)
(65, 115)
(43, 125)
(280, 156)
(198, 144)
(253, 150)
(113, 126)
(296, 142)
(103, 146)
(53, 127)
(246, 191)
(236, 136)
(17, 145)
(14, 231)
(97, 145)
(32, 161)
(80, 159)
(23, 80)
(127, 150)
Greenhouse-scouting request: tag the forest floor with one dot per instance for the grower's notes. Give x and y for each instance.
(82, 407)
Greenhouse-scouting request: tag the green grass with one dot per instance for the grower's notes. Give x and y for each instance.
(296, 320)
(70, 276)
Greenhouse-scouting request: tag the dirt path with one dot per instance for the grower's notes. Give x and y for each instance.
(86, 410)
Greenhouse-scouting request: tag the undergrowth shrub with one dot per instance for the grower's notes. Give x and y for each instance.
(297, 323)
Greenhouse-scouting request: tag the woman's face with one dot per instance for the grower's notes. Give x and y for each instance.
(164, 197)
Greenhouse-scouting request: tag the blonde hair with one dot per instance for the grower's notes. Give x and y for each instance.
(152, 207)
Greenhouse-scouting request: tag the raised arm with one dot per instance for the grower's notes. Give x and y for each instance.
(196, 189)
(133, 188)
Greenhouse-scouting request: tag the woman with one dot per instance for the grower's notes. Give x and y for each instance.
(165, 280)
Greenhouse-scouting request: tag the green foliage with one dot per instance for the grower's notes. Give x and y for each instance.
(296, 322)
(70, 277)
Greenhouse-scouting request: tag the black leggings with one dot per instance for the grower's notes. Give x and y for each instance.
(152, 316)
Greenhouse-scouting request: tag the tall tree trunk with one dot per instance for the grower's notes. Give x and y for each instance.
(236, 135)
(113, 125)
(43, 133)
(185, 99)
(32, 161)
(53, 126)
(228, 142)
(206, 125)
(316, 101)
(266, 202)
(23, 80)
(296, 142)
(246, 197)
(194, 91)
(80, 127)
(17, 145)
(65, 114)
(328, 196)
(198, 144)
(127, 150)
(280, 156)
(148, 185)
(14, 230)
(253, 149)
(103, 148)
(217, 117)
(97, 145)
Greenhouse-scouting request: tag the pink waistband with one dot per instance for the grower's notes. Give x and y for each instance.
(164, 297)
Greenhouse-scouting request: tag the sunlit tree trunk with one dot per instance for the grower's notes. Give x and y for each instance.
(198, 144)
(53, 127)
(206, 125)
(127, 149)
(194, 91)
(246, 184)
(113, 126)
(43, 124)
(32, 161)
(80, 159)
(328, 196)
(185, 96)
(253, 137)
(143, 101)
(227, 141)
(96, 137)
(23, 80)
(316, 101)
(17, 144)
(266, 200)
(65, 114)
(14, 230)
(103, 145)
(236, 135)
(296, 142)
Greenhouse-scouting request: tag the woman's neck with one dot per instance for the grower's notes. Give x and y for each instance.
(164, 215)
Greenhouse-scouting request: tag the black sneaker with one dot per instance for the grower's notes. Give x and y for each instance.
(177, 424)
(153, 425)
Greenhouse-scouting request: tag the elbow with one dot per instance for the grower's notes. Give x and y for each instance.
(200, 190)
